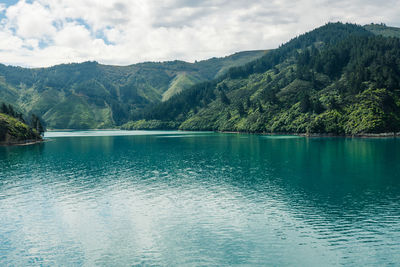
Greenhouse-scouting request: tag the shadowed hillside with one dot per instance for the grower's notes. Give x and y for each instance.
(337, 79)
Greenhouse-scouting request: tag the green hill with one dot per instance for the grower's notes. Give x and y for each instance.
(13, 131)
(178, 84)
(92, 95)
(337, 79)
(382, 29)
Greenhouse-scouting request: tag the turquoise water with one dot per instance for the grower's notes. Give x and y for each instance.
(115, 198)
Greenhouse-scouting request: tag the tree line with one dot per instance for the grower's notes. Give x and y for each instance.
(34, 121)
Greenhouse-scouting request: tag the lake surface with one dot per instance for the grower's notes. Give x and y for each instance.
(116, 198)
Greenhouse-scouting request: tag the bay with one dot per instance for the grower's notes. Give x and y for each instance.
(122, 198)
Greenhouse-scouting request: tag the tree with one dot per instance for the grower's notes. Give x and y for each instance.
(317, 106)
(4, 108)
(20, 117)
(259, 107)
(248, 103)
(37, 124)
(240, 109)
(305, 103)
(11, 111)
(224, 98)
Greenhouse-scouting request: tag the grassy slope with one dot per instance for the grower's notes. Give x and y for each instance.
(14, 131)
(181, 82)
(215, 67)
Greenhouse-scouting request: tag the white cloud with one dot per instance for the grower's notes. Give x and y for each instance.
(30, 20)
(47, 32)
(73, 36)
(9, 42)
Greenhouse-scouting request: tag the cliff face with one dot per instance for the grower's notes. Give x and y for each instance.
(13, 131)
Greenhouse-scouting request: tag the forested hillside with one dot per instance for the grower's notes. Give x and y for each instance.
(91, 95)
(382, 29)
(15, 130)
(337, 79)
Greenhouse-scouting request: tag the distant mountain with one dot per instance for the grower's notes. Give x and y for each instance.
(92, 95)
(337, 79)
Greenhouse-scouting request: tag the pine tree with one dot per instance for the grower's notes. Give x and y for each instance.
(305, 104)
(259, 107)
(240, 109)
(37, 124)
(4, 108)
(224, 98)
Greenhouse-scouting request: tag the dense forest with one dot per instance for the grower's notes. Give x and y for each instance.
(15, 129)
(340, 79)
(91, 95)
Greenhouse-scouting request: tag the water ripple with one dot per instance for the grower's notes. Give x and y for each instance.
(206, 199)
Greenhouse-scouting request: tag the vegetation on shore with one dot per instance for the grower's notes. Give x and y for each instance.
(150, 125)
(93, 96)
(14, 129)
(339, 79)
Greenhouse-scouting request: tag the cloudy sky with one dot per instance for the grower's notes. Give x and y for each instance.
(120, 32)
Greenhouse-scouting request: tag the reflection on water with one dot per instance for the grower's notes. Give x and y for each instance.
(206, 199)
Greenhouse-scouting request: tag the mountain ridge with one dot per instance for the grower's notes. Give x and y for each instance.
(92, 95)
(339, 79)
(336, 79)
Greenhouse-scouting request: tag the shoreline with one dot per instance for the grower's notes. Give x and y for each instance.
(23, 143)
(318, 135)
(311, 135)
(365, 135)
(70, 130)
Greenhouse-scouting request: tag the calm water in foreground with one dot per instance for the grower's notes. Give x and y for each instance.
(172, 198)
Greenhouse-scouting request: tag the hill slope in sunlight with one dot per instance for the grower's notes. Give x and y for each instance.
(92, 95)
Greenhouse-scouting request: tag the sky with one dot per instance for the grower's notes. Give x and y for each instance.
(41, 33)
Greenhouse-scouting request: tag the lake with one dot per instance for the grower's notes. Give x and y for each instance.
(122, 198)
